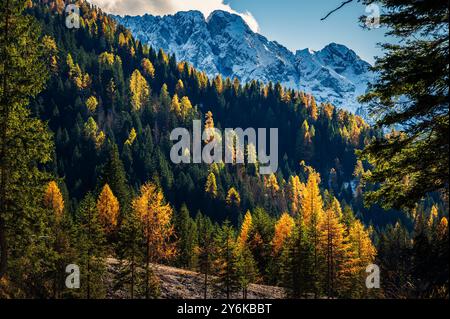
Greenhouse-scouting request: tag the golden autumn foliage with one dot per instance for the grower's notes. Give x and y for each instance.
(148, 68)
(54, 200)
(180, 108)
(108, 209)
(123, 40)
(51, 49)
(218, 84)
(313, 110)
(246, 228)
(91, 104)
(434, 215)
(106, 58)
(443, 227)
(233, 198)
(283, 230)
(211, 185)
(271, 184)
(179, 88)
(209, 126)
(80, 79)
(295, 190)
(140, 91)
(335, 248)
(131, 137)
(311, 200)
(361, 243)
(175, 105)
(156, 217)
(186, 107)
(91, 131)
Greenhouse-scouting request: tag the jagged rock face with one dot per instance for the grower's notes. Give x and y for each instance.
(334, 74)
(224, 44)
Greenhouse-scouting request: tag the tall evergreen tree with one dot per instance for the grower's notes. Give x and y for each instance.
(186, 230)
(226, 260)
(412, 94)
(206, 248)
(90, 246)
(25, 142)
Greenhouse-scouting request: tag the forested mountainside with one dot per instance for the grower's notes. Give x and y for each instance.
(90, 90)
(111, 103)
(223, 44)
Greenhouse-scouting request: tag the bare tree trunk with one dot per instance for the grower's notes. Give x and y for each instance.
(89, 257)
(132, 275)
(206, 277)
(147, 271)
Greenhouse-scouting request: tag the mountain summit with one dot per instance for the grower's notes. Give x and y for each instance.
(224, 44)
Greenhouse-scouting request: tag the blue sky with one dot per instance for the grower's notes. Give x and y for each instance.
(296, 24)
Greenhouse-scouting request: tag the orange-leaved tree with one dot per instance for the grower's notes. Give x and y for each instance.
(108, 209)
(156, 217)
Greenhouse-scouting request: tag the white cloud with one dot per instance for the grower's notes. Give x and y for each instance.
(162, 7)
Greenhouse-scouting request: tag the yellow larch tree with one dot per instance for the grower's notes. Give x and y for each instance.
(175, 106)
(211, 186)
(179, 88)
(155, 216)
(148, 68)
(363, 253)
(91, 104)
(434, 215)
(140, 90)
(334, 247)
(295, 190)
(443, 228)
(209, 126)
(271, 184)
(246, 228)
(311, 202)
(106, 58)
(51, 49)
(311, 213)
(131, 137)
(186, 107)
(218, 84)
(313, 110)
(54, 200)
(283, 230)
(108, 209)
(233, 198)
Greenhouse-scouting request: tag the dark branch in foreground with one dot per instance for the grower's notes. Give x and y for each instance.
(333, 11)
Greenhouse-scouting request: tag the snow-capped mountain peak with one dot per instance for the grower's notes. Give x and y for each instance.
(224, 44)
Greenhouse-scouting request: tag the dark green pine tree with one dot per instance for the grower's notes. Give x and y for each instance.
(186, 230)
(297, 262)
(90, 242)
(411, 93)
(247, 270)
(130, 247)
(206, 248)
(25, 144)
(226, 260)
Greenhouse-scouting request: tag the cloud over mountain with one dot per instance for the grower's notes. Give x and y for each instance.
(163, 7)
